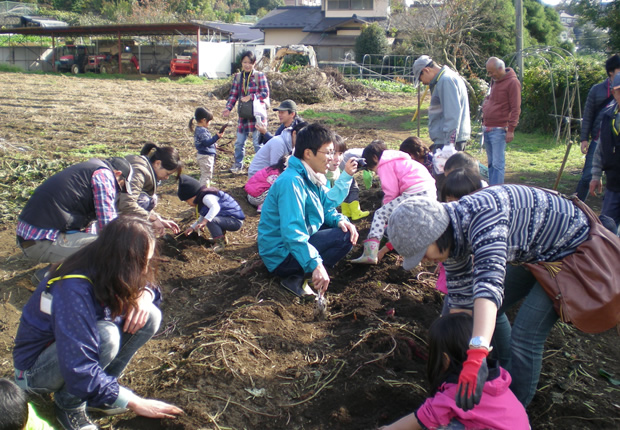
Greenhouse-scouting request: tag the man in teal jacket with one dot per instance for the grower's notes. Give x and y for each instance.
(299, 231)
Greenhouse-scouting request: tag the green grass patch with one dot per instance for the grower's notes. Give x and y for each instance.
(10, 69)
(328, 117)
(96, 150)
(387, 86)
(191, 80)
(379, 119)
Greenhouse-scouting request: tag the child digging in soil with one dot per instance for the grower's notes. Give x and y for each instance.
(417, 149)
(214, 208)
(204, 143)
(401, 178)
(498, 408)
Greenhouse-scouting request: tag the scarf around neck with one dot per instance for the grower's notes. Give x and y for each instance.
(317, 179)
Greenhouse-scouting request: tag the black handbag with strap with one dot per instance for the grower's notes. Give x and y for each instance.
(245, 109)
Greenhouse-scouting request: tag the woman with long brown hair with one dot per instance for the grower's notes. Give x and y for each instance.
(86, 320)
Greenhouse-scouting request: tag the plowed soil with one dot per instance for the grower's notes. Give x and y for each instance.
(235, 351)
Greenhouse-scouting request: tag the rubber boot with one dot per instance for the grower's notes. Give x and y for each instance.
(356, 212)
(345, 208)
(371, 248)
(220, 243)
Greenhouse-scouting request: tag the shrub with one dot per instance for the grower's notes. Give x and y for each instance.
(372, 40)
(537, 94)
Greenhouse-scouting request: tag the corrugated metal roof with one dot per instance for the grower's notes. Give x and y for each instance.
(240, 32)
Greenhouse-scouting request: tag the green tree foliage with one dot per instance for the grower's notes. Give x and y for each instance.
(542, 22)
(605, 16)
(372, 40)
(255, 5)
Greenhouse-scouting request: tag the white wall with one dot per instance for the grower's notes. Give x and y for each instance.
(27, 57)
(214, 59)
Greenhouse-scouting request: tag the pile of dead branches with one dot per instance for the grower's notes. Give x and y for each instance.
(307, 86)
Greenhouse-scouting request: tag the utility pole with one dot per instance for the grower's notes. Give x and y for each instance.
(519, 38)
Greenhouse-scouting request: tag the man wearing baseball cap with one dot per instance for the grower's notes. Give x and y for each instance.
(54, 222)
(475, 238)
(448, 113)
(607, 156)
(287, 114)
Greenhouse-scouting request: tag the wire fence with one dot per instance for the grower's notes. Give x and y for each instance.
(381, 67)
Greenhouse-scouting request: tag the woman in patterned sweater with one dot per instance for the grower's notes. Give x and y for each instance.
(497, 225)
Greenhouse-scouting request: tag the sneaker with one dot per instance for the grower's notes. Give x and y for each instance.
(236, 169)
(259, 209)
(74, 419)
(297, 285)
(106, 410)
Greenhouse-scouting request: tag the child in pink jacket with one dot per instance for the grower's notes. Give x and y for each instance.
(498, 409)
(258, 185)
(401, 178)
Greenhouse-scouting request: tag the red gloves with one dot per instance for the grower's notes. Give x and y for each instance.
(472, 378)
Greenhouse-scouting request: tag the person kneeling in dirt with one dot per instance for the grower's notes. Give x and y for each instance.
(216, 209)
(153, 165)
(300, 232)
(80, 329)
(55, 222)
(496, 225)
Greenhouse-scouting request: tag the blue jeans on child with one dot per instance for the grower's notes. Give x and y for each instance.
(520, 348)
(332, 243)
(583, 187)
(116, 349)
(495, 144)
(221, 224)
(240, 146)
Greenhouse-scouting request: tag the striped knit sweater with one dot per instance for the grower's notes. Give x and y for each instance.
(506, 224)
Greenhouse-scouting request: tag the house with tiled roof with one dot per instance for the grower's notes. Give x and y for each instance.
(330, 28)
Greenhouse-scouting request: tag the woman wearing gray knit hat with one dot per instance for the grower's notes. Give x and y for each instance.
(497, 225)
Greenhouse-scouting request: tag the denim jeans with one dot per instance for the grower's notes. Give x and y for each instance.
(240, 146)
(583, 187)
(332, 243)
(520, 348)
(115, 351)
(495, 144)
(221, 224)
(611, 205)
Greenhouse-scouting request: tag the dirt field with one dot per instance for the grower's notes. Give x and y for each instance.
(235, 351)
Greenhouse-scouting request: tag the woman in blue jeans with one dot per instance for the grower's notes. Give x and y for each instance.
(496, 225)
(84, 323)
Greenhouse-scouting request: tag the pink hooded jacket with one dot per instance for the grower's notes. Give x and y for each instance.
(499, 409)
(399, 174)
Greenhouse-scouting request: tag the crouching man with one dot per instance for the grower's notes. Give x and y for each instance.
(300, 232)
